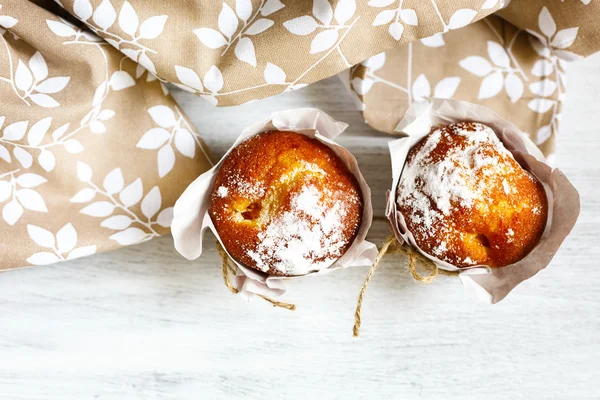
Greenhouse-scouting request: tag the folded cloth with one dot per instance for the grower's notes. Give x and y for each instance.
(94, 151)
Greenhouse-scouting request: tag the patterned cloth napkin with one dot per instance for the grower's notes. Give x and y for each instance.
(94, 151)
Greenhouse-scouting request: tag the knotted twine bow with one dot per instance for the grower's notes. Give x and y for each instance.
(228, 268)
(391, 244)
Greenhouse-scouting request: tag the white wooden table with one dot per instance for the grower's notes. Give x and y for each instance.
(143, 323)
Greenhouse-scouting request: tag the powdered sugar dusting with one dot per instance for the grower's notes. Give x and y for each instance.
(434, 183)
(245, 187)
(222, 191)
(306, 238)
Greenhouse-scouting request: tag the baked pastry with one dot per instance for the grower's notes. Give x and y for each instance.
(285, 204)
(467, 201)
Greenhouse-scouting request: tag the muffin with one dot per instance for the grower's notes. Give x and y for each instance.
(285, 204)
(467, 201)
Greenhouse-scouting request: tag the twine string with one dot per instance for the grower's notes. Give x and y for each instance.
(392, 245)
(229, 269)
(384, 248)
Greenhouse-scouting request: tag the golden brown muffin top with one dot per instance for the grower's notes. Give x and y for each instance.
(285, 204)
(467, 201)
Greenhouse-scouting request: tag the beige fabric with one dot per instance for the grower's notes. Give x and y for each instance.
(515, 66)
(234, 51)
(79, 172)
(94, 152)
(501, 70)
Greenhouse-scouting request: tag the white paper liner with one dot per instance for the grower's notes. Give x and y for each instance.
(191, 217)
(563, 199)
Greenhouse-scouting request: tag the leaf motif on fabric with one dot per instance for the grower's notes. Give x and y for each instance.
(30, 180)
(542, 68)
(163, 116)
(259, 26)
(105, 15)
(461, 18)
(274, 74)
(270, 7)
(498, 54)
(117, 222)
(344, 10)
(166, 160)
(38, 66)
(546, 23)
(489, 4)
(421, 88)
(23, 77)
(153, 139)
(84, 196)
(380, 3)
(244, 51)
(98, 209)
(113, 181)
(446, 88)
(301, 26)
(362, 86)
(120, 80)
(128, 19)
(41, 236)
(153, 27)
(53, 85)
(83, 9)
(491, 85)
(384, 17)
(375, 63)
(564, 38)
(540, 105)
(476, 65)
(15, 131)
(66, 238)
(543, 88)
(243, 9)
(396, 29)
(38, 131)
(31, 200)
(82, 251)
(7, 22)
(151, 203)
(184, 143)
(227, 21)
(213, 79)
(323, 41)
(189, 77)
(43, 258)
(43, 100)
(132, 193)
(322, 11)
(73, 146)
(514, 87)
(129, 236)
(84, 172)
(12, 212)
(23, 157)
(165, 217)
(543, 134)
(60, 29)
(47, 160)
(409, 17)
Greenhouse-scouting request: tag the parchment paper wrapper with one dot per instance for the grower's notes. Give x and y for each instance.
(491, 284)
(191, 216)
